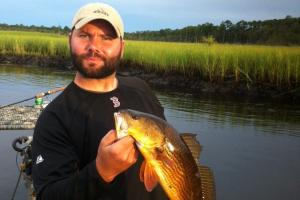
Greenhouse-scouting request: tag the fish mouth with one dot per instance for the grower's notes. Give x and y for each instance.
(122, 128)
(121, 125)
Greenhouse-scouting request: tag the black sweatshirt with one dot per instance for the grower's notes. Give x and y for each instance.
(67, 136)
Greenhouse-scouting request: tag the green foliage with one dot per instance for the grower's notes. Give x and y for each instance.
(33, 43)
(208, 40)
(275, 65)
(272, 32)
(42, 29)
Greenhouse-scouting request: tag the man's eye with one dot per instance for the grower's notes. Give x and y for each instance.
(107, 37)
(83, 35)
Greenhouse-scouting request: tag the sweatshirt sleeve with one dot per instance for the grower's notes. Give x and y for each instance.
(55, 170)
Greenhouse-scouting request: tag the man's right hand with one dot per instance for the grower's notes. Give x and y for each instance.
(115, 156)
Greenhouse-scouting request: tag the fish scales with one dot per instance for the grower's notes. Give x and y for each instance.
(164, 151)
(185, 162)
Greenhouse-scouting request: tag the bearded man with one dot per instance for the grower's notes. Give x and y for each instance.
(75, 151)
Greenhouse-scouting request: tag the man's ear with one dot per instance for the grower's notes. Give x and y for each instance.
(122, 47)
(70, 38)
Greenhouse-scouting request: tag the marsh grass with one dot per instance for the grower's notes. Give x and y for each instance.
(274, 65)
(33, 43)
(252, 63)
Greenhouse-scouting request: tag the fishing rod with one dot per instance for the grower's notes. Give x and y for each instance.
(39, 95)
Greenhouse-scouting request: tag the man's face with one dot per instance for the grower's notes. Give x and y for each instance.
(95, 49)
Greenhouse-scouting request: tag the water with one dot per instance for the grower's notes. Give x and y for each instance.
(252, 148)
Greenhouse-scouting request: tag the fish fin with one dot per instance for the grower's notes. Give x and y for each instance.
(206, 174)
(207, 183)
(150, 177)
(193, 145)
(142, 171)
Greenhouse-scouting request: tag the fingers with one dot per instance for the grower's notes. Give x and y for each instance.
(115, 156)
(125, 149)
(126, 141)
(133, 155)
(109, 138)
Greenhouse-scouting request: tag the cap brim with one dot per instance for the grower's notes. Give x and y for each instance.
(86, 20)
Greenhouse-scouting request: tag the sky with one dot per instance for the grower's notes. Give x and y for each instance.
(141, 15)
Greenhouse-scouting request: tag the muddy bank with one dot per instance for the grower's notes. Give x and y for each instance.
(228, 88)
(52, 62)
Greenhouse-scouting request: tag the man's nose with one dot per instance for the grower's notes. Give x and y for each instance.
(94, 44)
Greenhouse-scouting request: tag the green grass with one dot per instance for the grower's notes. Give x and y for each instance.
(33, 43)
(274, 65)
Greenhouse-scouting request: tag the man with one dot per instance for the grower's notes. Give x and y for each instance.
(75, 151)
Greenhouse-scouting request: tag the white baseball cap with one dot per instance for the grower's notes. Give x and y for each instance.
(92, 11)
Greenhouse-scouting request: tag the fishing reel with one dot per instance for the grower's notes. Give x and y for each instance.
(22, 145)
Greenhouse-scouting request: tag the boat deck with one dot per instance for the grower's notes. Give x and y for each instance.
(19, 117)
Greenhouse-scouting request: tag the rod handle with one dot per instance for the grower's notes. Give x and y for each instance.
(42, 94)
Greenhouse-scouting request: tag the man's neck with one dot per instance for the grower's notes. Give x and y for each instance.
(106, 84)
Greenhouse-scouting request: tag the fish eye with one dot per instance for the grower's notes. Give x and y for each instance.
(135, 117)
(159, 149)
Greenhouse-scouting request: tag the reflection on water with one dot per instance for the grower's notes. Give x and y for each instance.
(252, 148)
(18, 83)
(33, 75)
(260, 115)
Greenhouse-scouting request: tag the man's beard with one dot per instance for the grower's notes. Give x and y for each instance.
(93, 71)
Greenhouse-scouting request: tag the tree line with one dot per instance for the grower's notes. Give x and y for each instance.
(276, 31)
(44, 29)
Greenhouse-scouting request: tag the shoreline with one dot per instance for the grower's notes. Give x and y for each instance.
(228, 88)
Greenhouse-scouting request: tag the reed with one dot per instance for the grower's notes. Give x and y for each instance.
(274, 65)
(277, 65)
(33, 43)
